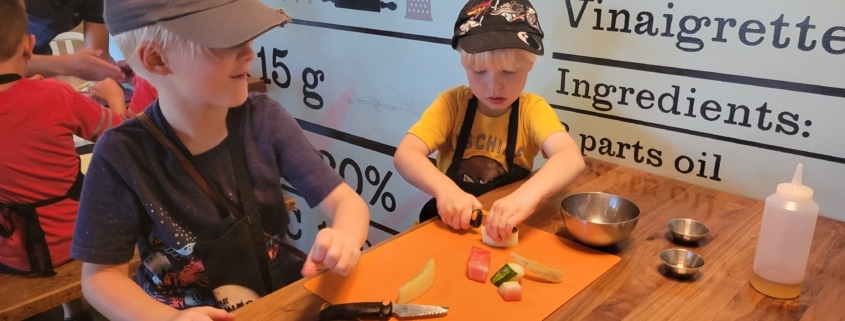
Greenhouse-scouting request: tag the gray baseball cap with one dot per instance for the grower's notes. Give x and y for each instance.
(210, 23)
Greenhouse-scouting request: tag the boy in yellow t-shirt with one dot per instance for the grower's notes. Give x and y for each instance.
(488, 133)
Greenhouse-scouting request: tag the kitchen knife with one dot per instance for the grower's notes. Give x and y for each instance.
(380, 310)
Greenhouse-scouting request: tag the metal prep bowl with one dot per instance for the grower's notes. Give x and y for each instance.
(598, 218)
(681, 263)
(687, 230)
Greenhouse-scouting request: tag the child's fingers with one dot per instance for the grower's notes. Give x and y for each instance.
(333, 253)
(342, 267)
(310, 268)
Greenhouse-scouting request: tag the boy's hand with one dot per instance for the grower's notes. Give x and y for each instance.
(456, 209)
(110, 91)
(507, 213)
(331, 250)
(202, 314)
(106, 89)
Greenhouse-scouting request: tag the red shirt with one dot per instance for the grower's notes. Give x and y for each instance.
(143, 95)
(38, 159)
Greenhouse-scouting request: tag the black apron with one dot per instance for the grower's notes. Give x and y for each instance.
(234, 250)
(35, 243)
(514, 173)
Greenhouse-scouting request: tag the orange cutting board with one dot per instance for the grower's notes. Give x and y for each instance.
(382, 270)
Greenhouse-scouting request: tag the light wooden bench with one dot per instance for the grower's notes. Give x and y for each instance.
(22, 296)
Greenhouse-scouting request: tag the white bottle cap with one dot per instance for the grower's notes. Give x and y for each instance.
(795, 191)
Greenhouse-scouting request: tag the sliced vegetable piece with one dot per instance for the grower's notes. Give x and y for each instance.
(511, 291)
(416, 286)
(479, 264)
(512, 241)
(508, 272)
(540, 270)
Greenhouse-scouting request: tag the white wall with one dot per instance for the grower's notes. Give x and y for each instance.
(359, 79)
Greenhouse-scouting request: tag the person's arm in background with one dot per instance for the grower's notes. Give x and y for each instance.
(85, 64)
(91, 63)
(97, 38)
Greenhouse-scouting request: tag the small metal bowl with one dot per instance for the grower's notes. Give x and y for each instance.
(687, 230)
(681, 263)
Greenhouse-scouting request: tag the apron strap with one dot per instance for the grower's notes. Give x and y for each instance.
(235, 140)
(34, 240)
(466, 128)
(7, 78)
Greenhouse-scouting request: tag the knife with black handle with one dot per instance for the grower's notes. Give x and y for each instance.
(379, 311)
(475, 221)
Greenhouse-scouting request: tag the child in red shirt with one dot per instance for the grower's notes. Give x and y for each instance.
(39, 165)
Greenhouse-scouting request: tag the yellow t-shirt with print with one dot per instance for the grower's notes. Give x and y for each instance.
(440, 124)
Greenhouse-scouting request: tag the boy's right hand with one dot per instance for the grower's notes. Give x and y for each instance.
(202, 314)
(332, 250)
(110, 91)
(455, 209)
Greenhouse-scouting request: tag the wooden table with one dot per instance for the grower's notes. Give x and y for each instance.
(26, 295)
(638, 288)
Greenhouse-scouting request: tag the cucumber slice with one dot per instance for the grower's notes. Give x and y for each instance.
(508, 272)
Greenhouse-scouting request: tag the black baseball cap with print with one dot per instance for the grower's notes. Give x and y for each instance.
(485, 25)
(210, 23)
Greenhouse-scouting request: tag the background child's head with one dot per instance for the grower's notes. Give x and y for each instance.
(189, 27)
(13, 28)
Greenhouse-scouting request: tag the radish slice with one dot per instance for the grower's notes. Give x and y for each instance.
(510, 242)
(511, 291)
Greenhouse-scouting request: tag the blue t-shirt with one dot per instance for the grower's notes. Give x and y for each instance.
(137, 193)
(48, 18)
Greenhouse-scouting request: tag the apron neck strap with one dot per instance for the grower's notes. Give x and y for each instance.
(7, 78)
(466, 128)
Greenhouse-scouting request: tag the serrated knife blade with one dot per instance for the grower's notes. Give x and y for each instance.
(380, 310)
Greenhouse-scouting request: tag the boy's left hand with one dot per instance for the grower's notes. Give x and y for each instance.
(332, 250)
(507, 213)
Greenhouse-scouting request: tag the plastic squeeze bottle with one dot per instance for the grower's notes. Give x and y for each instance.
(789, 221)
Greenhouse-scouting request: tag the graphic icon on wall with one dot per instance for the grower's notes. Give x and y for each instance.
(418, 10)
(365, 5)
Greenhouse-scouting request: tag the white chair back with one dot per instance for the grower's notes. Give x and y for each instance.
(63, 43)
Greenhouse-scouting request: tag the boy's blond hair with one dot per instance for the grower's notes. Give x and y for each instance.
(157, 35)
(13, 27)
(497, 59)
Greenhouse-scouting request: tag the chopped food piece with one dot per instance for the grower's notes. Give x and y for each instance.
(510, 242)
(417, 285)
(509, 272)
(511, 291)
(542, 271)
(478, 264)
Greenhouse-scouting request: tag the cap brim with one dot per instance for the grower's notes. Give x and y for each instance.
(228, 25)
(481, 42)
